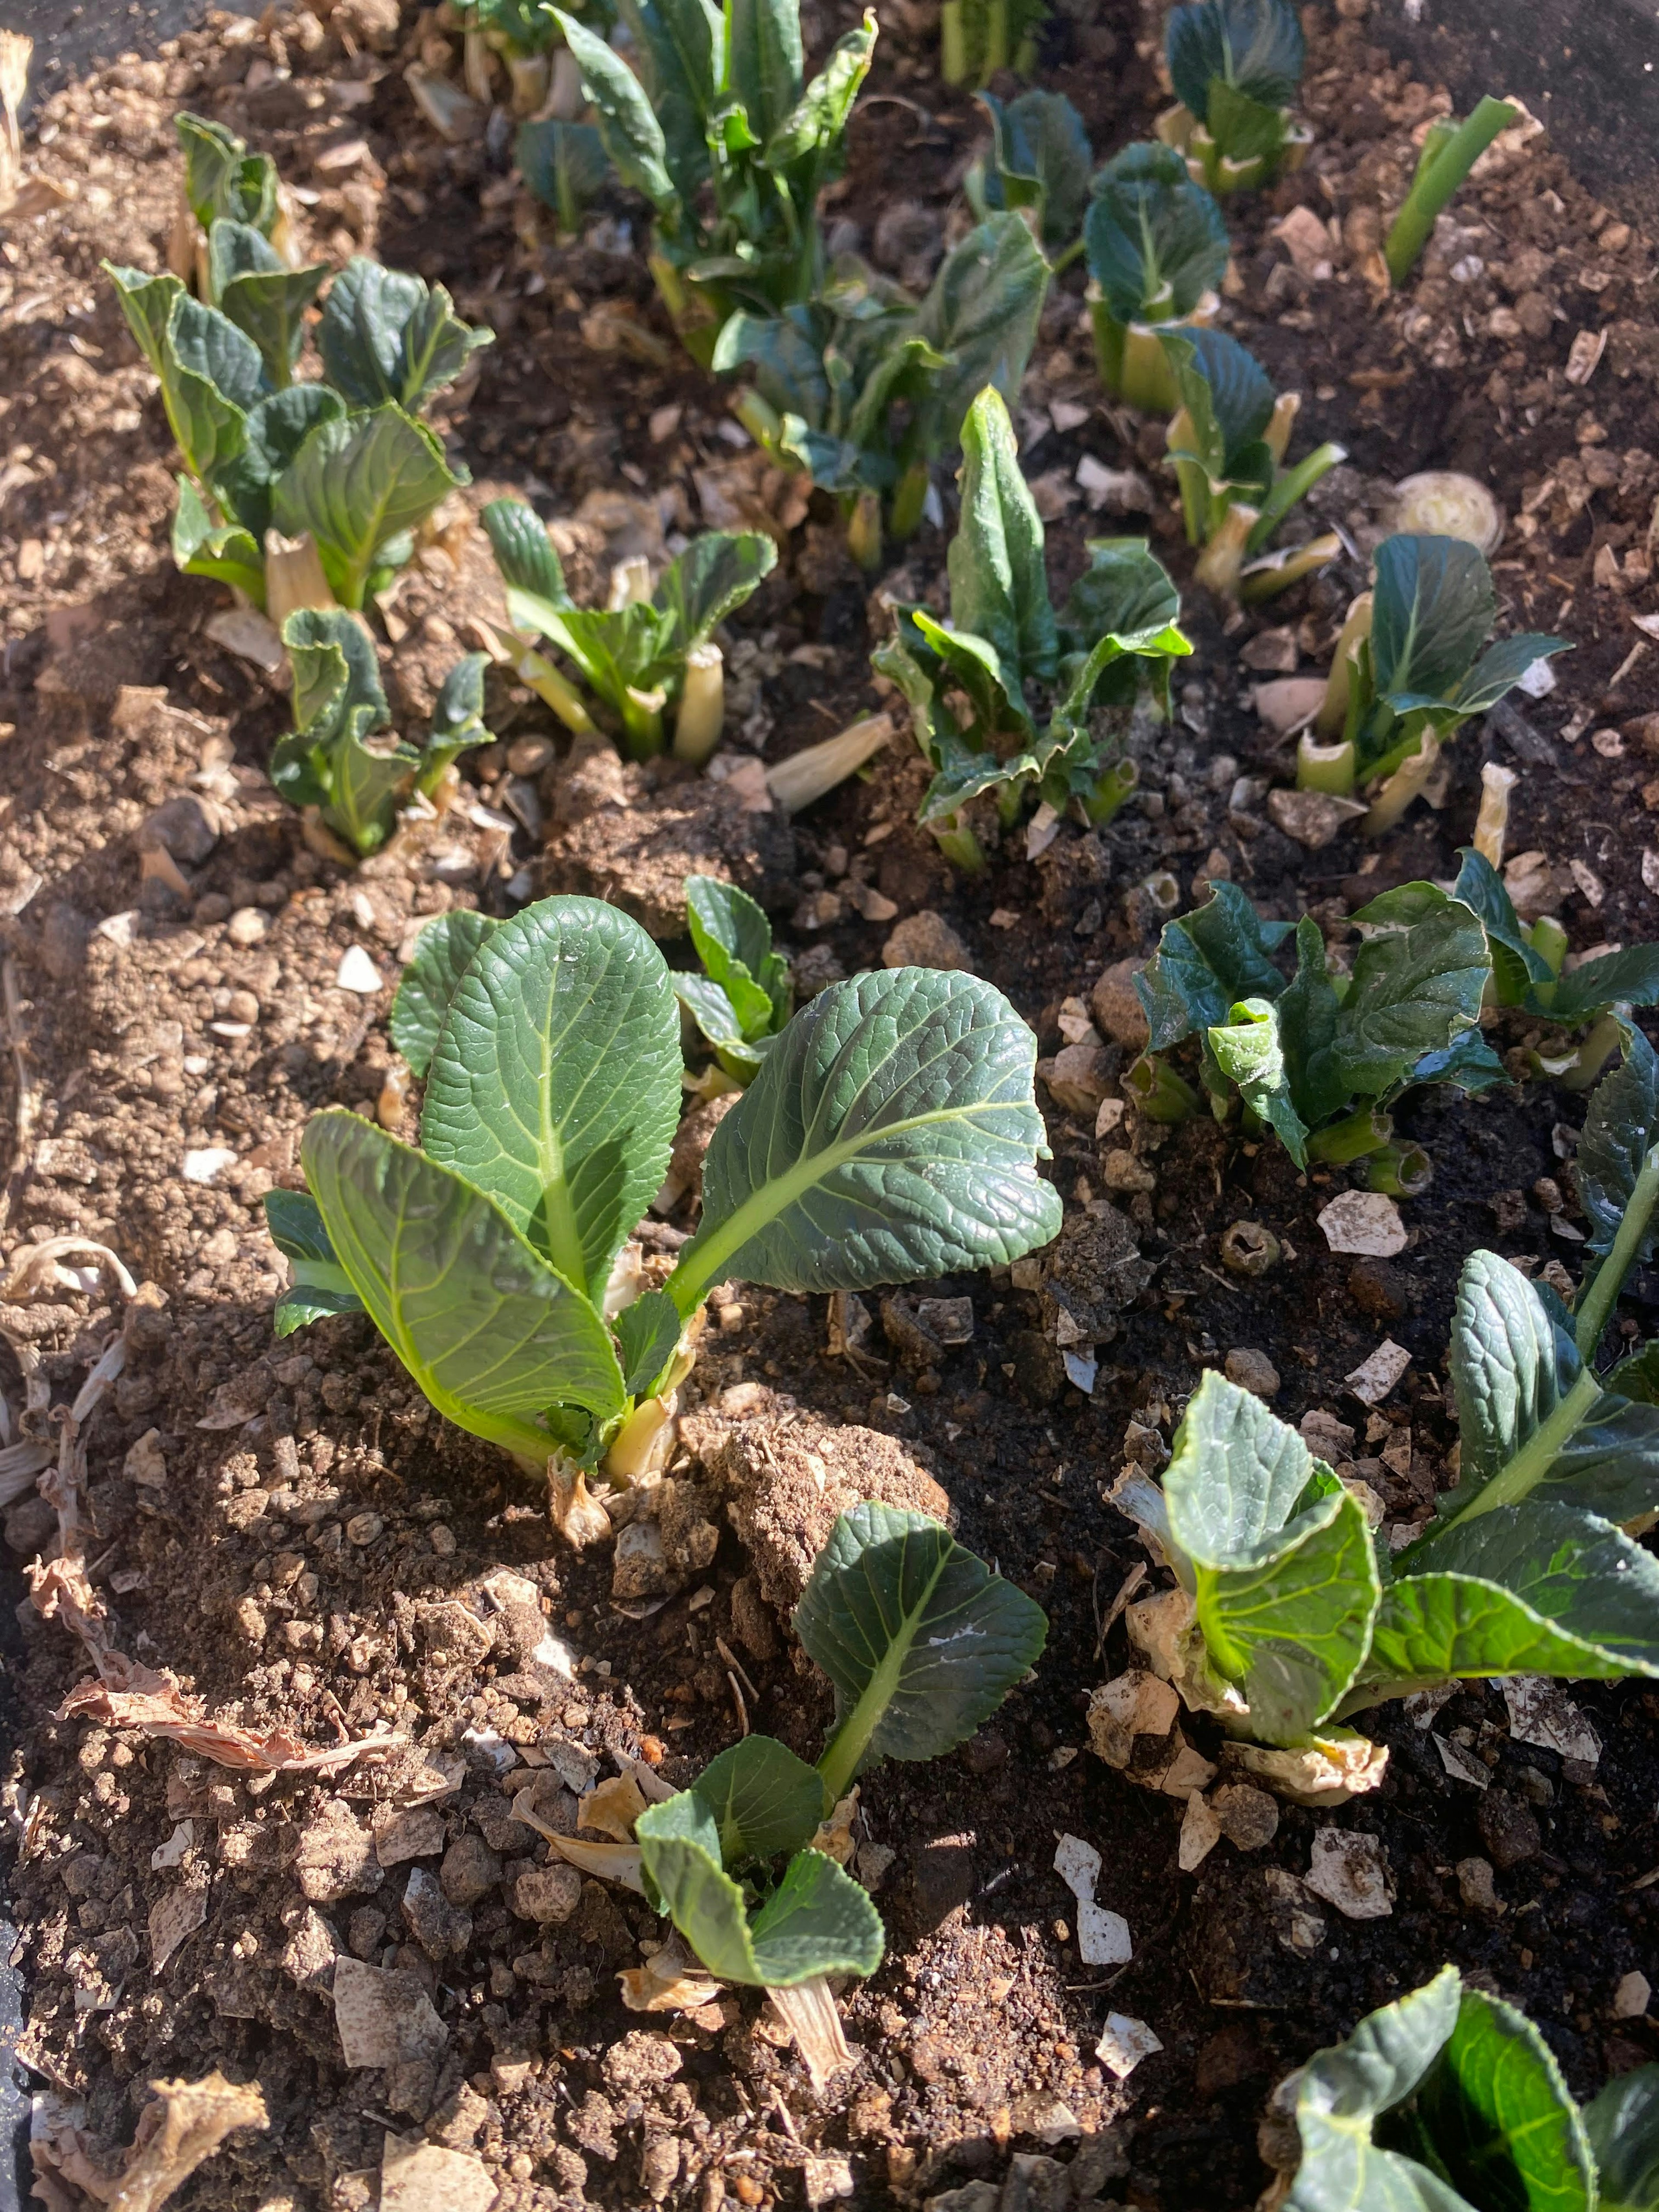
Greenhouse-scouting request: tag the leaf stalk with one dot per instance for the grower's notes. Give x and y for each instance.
(1603, 1290)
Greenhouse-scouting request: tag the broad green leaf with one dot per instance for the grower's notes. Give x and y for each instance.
(648, 1334)
(337, 674)
(457, 722)
(1206, 963)
(711, 579)
(1629, 978)
(1538, 1589)
(443, 952)
(210, 349)
(222, 178)
(565, 164)
(764, 61)
(277, 429)
(225, 551)
(489, 1333)
(1308, 1015)
(358, 484)
(1244, 130)
(677, 49)
(1432, 609)
(1156, 242)
(1041, 159)
(388, 339)
(1468, 1061)
(1501, 667)
(1255, 45)
(317, 1285)
(998, 701)
(1249, 1052)
(147, 301)
(367, 781)
(981, 312)
(999, 584)
(554, 1083)
(627, 122)
(1345, 2092)
(891, 1135)
(1279, 1555)
(766, 1802)
(1622, 2126)
(813, 129)
(1229, 398)
(921, 1641)
(524, 551)
(261, 294)
(818, 1921)
(1413, 991)
(734, 939)
(788, 359)
(207, 421)
(710, 1008)
(1620, 1129)
(1126, 591)
(1498, 2116)
(1516, 965)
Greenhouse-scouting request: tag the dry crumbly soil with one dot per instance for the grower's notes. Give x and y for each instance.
(290, 1530)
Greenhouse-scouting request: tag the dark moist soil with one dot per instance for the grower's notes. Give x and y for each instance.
(311, 1548)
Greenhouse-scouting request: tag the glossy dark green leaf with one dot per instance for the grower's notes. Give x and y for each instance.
(225, 551)
(1281, 1560)
(711, 1008)
(524, 551)
(711, 579)
(1125, 591)
(1468, 1061)
(677, 47)
(317, 1283)
(209, 424)
(1155, 241)
(1040, 159)
(443, 953)
(1620, 1129)
(766, 1802)
(648, 1334)
(788, 360)
(998, 583)
(627, 122)
(222, 179)
(764, 61)
(489, 1333)
(1254, 45)
(1501, 667)
(1629, 978)
(554, 1083)
(1248, 1049)
(337, 674)
(358, 484)
(565, 164)
(891, 1134)
(367, 781)
(1206, 963)
(1413, 991)
(1515, 963)
(1228, 396)
(1433, 607)
(1498, 2116)
(921, 1641)
(811, 135)
(1622, 2127)
(1308, 1015)
(265, 299)
(734, 939)
(1245, 131)
(982, 312)
(387, 338)
(457, 722)
(1345, 2092)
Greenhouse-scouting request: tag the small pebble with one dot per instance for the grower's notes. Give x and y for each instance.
(1251, 1370)
(247, 925)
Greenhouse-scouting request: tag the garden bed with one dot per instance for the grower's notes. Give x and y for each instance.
(290, 1530)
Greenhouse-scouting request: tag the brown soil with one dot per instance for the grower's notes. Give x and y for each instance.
(308, 1547)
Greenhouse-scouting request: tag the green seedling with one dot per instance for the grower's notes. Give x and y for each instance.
(650, 657)
(864, 388)
(967, 679)
(1450, 151)
(1157, 250)
(1450, 2100)
(565, 165)
(743, 997)
(1038, 164)
(336, 760)
(891, 1135)
(977, 37)
(1409, 671)
(1320, 1059)
(1236, 65)
(1227, 445)
(721, 132)
(922, 1643)
(1297, 1620)
(524, 35)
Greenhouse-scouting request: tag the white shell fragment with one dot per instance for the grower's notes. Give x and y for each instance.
(1132, 1704)
(1078, 1865)
(1365, 1222)
(1124, 2043)
(1632, 1996)
(1373, 1379)
(1082, 1369)
(1541, 1713)
(1459, 1764)
(207, 1164)
(1350, 1872)
(357, 972)
(1103, 1937)
(1200, 1832)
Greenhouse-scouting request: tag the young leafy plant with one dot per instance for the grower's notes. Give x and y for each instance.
(1297, 1620)
(922, 1643)
(1038, 163)
(524, 35)
(889, 1135)
(1236, 65)
(864, 388)
(1227, 445)
(1157, 250)
(341, 462)
(720, 131)
(1320, 1059)
(1450, 151)
(966, 679)
(1450, 2100)
(744, 996)
(565, 164)
(977, 37)
(1409, 670)
(649, 654)
(331, 763)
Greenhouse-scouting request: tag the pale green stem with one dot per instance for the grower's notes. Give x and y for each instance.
(1537, 1456)
(1290, 489)
(702, 713)
(1400, 1170)
(908, 500)
(1325, 767)
(959, 845)
(1597, 1050)
(1353, 1139)
(1438, 179)
(1549, 941)
(953, 43)
(864, 531)
(1160, 1093)
(1600, 1297)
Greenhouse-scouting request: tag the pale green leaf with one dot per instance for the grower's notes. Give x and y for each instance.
(1344, 2091)
(442, 954)
(358, 484)
(999, 583)
(317, 1285)
(386, 338)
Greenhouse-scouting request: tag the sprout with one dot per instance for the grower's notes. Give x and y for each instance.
(1156, 248)
(977, 37)
(1449, 152)
(1236, 65)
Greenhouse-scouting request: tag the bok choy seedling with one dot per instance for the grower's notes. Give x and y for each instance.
(1450, 151)
(1038, 162)
(1236, 65)
(649, 655)
(1293, 1619)
(889, 1135)
(341, 463)
(865, 386)
(966, 679)
(743, 997)
(330, 763)
(977, 37)
(525, 36)
(1227, 445)
(721, 132)
(1157, 250)
(565, 164)
(1409, 671)
(1450, 2100)
(1320, 1059)
(922, 1643)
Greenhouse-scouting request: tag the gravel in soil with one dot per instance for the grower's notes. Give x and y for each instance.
(288, 1530)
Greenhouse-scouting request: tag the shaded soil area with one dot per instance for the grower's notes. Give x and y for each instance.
(290, 1530)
